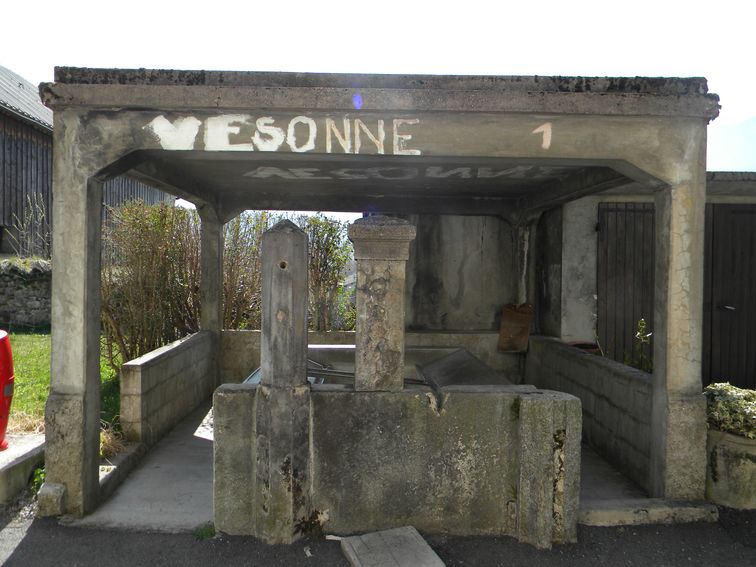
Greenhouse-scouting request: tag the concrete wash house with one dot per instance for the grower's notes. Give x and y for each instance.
(466, 170)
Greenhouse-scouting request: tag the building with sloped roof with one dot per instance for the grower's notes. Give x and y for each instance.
(26, 127)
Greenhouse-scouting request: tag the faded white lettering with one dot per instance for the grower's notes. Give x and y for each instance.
(345, 141)
(274, 135)
(218, 131)
(177, 135)
(377, 140)
(291, 137)
(266, 172)
(400, 140)
(461, 172)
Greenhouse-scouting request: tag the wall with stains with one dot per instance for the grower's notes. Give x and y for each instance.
(459, 273)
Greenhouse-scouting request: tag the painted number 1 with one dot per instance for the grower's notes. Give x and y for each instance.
(544, 129)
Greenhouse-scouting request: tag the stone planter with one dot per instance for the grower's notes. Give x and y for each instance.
(731, 470)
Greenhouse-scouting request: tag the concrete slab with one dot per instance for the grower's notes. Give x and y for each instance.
(400, 547)
(601, 481)
(23, 455)
(172, 490)
(608, 498)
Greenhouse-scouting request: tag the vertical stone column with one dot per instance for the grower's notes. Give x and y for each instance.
(522, 236)
(283, 402)
(678, 419)
(211, 280)
(211, 267)
(381, 248)
(72, 412)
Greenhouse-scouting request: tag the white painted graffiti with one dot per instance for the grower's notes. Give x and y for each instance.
(398, 173)
(245, 133)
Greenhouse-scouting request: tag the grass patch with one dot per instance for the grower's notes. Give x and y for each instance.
(205, 531)
(31, 362)
(31, 369)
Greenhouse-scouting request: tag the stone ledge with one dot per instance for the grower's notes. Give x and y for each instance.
(636, 512)
(23, 455)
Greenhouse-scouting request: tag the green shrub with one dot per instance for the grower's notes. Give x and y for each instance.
(731, 409)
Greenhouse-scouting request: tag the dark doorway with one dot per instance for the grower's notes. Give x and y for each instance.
(625, 283)
(730, 296)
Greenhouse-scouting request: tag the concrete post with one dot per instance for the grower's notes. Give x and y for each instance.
(522, 235)
(72, 412)
(381, 249)
(283, 405)
(211, 280)
(678, 420)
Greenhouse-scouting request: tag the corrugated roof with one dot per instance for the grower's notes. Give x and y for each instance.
(20, 98)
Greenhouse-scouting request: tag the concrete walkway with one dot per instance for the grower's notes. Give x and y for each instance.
(172, 489)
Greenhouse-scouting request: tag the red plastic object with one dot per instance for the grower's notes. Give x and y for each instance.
(6, 385)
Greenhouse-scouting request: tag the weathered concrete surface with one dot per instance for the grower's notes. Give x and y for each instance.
(548, 270)
(17, 462)
(458, 273)
(162, 387)
(284, 311)
(498, 460)
(731, 470)
(615, 398)
(400, 547)
(211, 282)
(635, 512)
(234, 460)
(282, 412)
(381, 249)
(171, 491)
(678, 417)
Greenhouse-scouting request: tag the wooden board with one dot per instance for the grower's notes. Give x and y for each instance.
(399, 547)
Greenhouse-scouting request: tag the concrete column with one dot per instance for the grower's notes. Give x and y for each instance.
(72, 413)
(381, 249)
(283, 403)
(211, 267)
(211, 280)
(678, 421)
(522, 233)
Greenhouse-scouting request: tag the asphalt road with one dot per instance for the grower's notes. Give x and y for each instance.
(731, 542)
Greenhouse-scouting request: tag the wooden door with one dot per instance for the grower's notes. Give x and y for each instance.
(625, 281)
(730, 296)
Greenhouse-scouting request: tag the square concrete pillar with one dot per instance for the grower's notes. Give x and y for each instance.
(678, 419)
(72, 412)
(381, 249)
(211, 280)
(282, 419)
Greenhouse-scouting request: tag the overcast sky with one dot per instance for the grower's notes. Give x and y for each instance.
(604, 38)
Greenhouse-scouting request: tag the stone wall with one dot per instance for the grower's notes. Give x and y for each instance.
(616, 401)
(162, 387)
(25, 293)
(494, 460)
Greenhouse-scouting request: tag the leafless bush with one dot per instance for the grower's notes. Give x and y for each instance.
(31, 231)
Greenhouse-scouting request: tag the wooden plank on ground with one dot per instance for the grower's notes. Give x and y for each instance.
(399, 547)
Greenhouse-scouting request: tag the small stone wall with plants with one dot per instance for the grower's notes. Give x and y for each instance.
(25, 293)
(731, 446)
